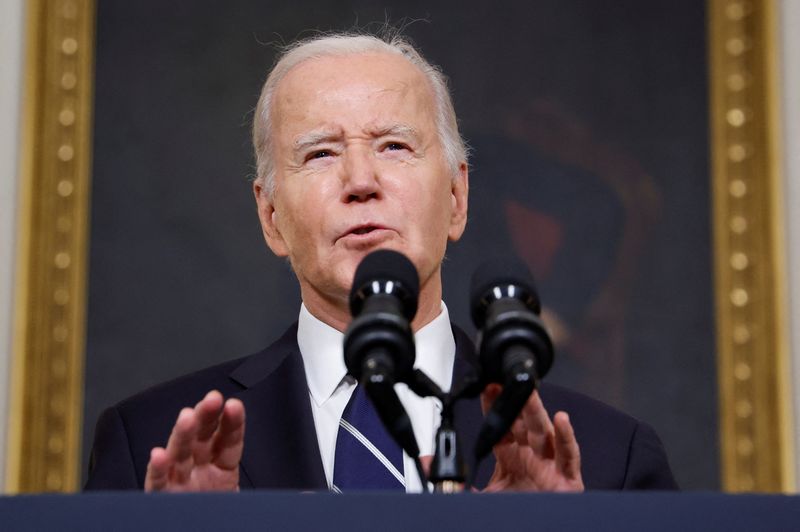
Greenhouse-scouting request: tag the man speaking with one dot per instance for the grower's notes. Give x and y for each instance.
(357, 148)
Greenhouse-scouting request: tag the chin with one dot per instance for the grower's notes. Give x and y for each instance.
(345, 273)
(351, 262)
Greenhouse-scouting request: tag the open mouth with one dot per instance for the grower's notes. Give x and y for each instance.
(363, 234)
(364, 230)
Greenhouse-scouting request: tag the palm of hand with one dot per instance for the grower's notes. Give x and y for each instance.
(206, 477)
(203, 451)
(521, 468)
(537, 454)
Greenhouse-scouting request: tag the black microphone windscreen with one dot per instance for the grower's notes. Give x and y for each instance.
(495, 272)
(387, 265)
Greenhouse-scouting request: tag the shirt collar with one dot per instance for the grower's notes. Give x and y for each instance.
(436, 349)
(323, 355)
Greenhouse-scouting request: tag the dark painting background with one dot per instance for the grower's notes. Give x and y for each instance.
(588, 123)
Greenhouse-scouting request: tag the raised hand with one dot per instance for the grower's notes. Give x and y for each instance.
(537, 454)
(203, 451)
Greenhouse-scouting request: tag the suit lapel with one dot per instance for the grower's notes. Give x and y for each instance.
(468, 413)
(281, 449)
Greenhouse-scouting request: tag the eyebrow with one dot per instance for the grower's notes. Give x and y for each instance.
(309, 140)
(401, 130)
(303, 142)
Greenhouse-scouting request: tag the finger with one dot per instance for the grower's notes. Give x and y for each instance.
(229, 440)
(568, 454)
(519, 431)
(157, 476)
(539, 427)
(535, 414)
(488, 397)
(208, 412)
(179, 446)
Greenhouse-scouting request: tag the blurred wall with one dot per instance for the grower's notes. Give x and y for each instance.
(11, 50)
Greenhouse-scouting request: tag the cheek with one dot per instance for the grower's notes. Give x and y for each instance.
(431, 223)
(304, 232)
(295, 207)
(290, 225)
(438, 206)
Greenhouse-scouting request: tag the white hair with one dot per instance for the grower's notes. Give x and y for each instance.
(454, 148)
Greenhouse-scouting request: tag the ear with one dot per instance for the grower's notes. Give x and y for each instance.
(268, 217)
(459, 196)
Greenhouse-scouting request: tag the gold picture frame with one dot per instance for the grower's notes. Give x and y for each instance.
(46, 402)
(749, 256)
(49, 333)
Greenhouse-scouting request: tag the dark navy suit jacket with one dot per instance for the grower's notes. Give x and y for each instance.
(281, 450)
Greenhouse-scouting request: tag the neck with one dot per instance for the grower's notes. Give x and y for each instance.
(335, 311)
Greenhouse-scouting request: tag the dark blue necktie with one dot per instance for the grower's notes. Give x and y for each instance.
(367, 458)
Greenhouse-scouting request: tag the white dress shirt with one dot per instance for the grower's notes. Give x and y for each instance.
(330, 389)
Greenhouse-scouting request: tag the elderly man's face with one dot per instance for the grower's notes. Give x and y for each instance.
(359, 166)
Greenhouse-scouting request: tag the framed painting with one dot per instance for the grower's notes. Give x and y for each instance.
(625, 151)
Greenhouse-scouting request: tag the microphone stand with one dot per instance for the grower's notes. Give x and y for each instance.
(448, 472)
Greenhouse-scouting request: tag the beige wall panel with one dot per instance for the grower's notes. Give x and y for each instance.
(790, 78)
(11, 49)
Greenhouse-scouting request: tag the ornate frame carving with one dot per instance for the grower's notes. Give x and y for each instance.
(47, 378)
(748, 224)
(754, 405)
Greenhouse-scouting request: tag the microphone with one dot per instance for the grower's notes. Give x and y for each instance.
(379, 344)
(514, 347)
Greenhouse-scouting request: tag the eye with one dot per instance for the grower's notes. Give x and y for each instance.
(395, 146)
(318, 154)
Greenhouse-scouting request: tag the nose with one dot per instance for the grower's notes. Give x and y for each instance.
(360, 179)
